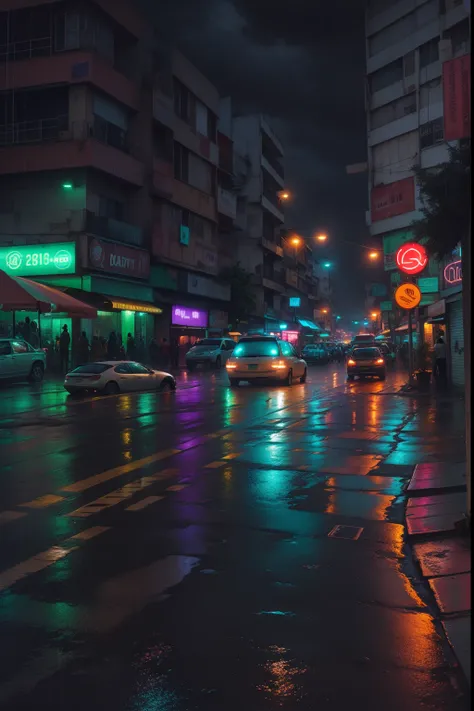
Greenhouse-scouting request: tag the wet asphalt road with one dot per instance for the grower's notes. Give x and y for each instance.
(181, 551)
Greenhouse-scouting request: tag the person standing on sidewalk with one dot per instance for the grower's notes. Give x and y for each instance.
(64, 342)
(83, 349)
(440, 365)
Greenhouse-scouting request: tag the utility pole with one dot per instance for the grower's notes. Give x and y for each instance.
(466, 297)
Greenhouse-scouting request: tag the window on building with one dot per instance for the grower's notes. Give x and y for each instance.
(163, 143)
(211, 126)
(181, 162)
(429, 52)
(110, 122)
(393, 111)
(459, 36)
(431, 133)
(111, 208)
(181, 100)
(201, 174)
(431, 93)
(386, 76)
(409, 64)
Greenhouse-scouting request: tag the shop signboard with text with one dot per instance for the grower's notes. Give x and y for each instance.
(115, 258)
(39, 259)
(186, 316)
(457, 98)
(393, 199)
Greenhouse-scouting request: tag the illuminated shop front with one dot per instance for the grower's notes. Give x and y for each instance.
(188, 325)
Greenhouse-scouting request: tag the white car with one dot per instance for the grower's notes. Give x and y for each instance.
(117, 376)
(258, 358)
(211, 351)
(20, 361)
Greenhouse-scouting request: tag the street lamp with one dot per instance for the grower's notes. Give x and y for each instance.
(284, 195)
(374, 255)
(321, 238)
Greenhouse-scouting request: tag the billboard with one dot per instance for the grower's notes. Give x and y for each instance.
(393, 199)
(39, 259)
(457, 98)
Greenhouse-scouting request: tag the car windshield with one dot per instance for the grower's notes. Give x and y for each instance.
(366, 353)
(255, 348)
(208, 342)
(94, 368)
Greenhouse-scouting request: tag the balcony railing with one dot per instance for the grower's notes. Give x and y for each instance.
(36, 131)
(113, 229)
(27, 49)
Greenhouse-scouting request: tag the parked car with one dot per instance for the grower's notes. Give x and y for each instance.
(111, 377)
(263, 358)
(20, 361)
(364, 362)
(314, 353)
(210, 351)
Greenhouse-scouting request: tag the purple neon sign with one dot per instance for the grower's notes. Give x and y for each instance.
(184, 316)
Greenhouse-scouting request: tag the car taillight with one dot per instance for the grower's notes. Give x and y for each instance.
(379, 361)
(351, 362)
(279, 365)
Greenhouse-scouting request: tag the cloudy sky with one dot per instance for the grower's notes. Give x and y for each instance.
(301, 62)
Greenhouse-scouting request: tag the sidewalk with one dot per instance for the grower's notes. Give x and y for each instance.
(434, 518)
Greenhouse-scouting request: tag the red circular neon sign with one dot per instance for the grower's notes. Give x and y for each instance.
(411, 258)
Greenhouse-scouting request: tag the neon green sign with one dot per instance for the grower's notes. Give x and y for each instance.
(39, 259)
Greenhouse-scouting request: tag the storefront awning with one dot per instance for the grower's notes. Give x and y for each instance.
(20, 294)
(308, 324)
(110, 303)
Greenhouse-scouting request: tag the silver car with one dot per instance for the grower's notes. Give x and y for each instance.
(111, 377)
(20, 361)
(210, 351)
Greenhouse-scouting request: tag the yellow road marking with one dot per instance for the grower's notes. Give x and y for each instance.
(43, 501)
(43, 560)
(234, 455)
(214, 465)
(118, 471)
(144, 503)
(89, 533)
(176, 487)
(119, 495)
(7, 516)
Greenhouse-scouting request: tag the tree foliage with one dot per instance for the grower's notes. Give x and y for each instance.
(445, 195)
(242, 303)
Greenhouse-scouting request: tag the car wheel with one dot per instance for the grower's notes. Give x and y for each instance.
(304, 376)
(111, 388)
(350, 377)
(37, 372)
(289, 378)
(234, 383)
(166, 385)
(218, 363)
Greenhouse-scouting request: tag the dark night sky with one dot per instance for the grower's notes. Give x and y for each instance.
(301, 62)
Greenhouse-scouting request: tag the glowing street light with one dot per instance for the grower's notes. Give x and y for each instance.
(324, 311)
(374, 255)
(327, 265)
(284, 195)
(374, 315)
(296, 241)
(321, 237)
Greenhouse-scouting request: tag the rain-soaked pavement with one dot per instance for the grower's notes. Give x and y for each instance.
(217, 550)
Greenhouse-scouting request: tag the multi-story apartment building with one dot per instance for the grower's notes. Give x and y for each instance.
(109, 153)
(281, 270)
(260, 251)
(418, 104)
